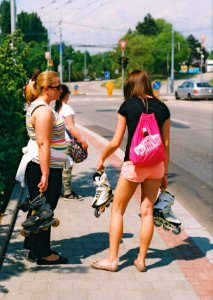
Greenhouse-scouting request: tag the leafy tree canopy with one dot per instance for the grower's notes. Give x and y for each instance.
(148, 26)
(32, 28)
(5, 17)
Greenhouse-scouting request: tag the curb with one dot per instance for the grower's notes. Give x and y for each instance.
(9, 219)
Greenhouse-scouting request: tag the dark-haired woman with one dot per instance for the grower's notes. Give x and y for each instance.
(138, 94)
(68, 113)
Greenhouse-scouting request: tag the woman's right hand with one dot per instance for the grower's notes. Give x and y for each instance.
(100, 164)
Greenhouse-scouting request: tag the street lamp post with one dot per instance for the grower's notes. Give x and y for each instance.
(69, 63)
(13, 15)
(172, 63)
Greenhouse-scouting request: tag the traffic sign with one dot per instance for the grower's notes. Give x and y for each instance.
(156, 85)
(123, 44)
(107, 75)
(50, 63)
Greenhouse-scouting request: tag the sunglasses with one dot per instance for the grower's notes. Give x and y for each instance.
(58, 87)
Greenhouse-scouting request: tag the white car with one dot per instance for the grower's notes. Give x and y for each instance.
(192, 89)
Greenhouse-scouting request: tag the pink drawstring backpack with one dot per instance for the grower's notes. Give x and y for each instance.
(147, 148)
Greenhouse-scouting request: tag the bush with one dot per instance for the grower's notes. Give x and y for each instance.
(12, 120)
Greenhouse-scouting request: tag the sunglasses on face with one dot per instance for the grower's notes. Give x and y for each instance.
(58, 87)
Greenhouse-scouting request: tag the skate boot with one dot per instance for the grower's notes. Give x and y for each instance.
(41, 217)
(103, 196)
(163, 215)
(25, 206)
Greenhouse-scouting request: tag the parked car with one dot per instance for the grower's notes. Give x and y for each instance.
(192, 89)
(99, 78)
(87, 78)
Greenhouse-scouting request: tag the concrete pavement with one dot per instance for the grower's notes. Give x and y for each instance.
(179, 267)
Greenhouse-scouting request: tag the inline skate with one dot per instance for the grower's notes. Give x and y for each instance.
(41, 217)
(163, 215)
(103, 196)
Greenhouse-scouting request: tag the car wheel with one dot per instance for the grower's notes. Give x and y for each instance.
(176, 96)
(189, 97)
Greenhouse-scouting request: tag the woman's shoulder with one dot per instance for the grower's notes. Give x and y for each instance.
(67, 109)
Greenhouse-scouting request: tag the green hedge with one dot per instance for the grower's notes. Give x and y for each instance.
(12, 120)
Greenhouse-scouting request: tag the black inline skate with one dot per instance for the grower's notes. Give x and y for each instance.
(163, 215)
(41, 217)
(103, 196)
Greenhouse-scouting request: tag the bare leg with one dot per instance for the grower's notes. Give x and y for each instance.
(150, 189)
(123, 193)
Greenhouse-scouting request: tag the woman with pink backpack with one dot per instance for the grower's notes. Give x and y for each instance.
(146, 163)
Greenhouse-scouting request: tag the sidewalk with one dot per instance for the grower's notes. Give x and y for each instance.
(179, 267)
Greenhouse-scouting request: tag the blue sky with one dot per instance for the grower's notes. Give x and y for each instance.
(97, 22)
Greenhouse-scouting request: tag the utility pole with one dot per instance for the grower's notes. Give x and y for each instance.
(85, 63)
(172, 62)
(61, 56)
(69, 63)
(123, 44)
(13, 15)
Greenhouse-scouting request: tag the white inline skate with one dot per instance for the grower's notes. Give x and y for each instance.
(163, 215)
(103, 194)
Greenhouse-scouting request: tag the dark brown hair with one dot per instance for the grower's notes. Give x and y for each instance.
(58, 103)
(138, 85)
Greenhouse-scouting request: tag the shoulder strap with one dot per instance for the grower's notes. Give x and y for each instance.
(36, 108)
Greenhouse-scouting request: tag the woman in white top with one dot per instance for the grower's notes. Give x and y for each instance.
(68, 114)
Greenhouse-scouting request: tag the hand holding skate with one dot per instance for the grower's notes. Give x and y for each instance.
(41, 217)
(163, 215)
(103, 196)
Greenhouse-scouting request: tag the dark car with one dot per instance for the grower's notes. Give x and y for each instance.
(194, 90)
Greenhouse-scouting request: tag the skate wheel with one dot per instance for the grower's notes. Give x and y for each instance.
(165, 228)
(108, 203)
(56, 222)
(45, 228)
(24, 233)
(97, 213)
(102, 208)
(176, 231)
(157, 224)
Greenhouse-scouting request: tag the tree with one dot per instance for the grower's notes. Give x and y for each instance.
(148, 26)
(13, 133)
(194, 57)
(32, 28)
(5, 17)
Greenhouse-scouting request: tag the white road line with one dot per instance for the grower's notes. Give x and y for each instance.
(180, 122)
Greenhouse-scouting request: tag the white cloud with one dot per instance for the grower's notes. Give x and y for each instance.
(187, 16)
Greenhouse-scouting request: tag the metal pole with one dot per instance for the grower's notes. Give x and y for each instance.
(13, 15)
(201, 65)
(61, 57)
(85, 63)
(172, 62)
(122, 71)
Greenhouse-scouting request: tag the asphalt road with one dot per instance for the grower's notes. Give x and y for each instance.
(191, 164)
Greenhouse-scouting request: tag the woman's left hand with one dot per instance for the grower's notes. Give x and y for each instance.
(84, 145)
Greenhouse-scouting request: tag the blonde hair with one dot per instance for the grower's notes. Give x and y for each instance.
(35, 88)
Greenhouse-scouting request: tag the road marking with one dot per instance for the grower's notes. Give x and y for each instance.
(180, 122)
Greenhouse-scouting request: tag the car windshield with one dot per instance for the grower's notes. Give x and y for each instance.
(203, 84)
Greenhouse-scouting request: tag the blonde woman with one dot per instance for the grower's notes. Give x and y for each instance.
(45, 158)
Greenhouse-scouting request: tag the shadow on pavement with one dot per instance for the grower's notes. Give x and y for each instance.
(186, 251)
